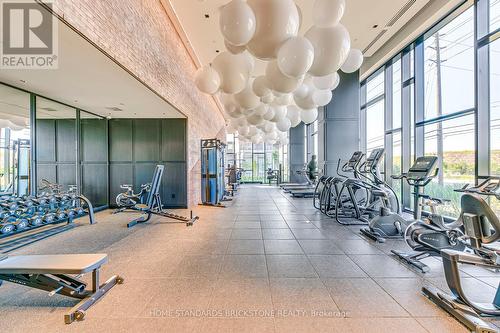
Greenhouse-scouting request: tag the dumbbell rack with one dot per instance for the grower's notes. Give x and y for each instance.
(20, 238)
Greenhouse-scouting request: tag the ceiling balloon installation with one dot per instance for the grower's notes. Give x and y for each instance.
(301, 71)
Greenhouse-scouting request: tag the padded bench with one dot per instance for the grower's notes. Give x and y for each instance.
(51, 273)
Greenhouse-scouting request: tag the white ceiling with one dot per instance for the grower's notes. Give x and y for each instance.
(360, 18)
(87, 79)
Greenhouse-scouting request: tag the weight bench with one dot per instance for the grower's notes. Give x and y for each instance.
(51, 273)
(154, 206)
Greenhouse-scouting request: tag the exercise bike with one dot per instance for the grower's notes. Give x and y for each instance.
(430, 235)
(482, 230)
(129, 199)
(390, 224)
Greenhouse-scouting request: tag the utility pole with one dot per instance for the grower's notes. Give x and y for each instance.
(439, 109)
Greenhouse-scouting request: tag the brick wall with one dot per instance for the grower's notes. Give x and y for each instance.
(139, 35)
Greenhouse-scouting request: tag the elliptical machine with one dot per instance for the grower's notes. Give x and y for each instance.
(363, 196)
(390, 224)
(482, 229)
(428, 236)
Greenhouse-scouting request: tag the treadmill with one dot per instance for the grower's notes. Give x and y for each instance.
(295, 186)
(310, 192)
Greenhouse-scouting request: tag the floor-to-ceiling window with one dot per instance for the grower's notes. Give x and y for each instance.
(430, 104)
(449, 123)
(374, 115)
(495, 107)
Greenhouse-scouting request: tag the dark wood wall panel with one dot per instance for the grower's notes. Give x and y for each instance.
(146, 140)
(66, 175)
(66, 140)
(119, 173)
(173, 189)
(46, 171)
(46, 136)
(94, 143)
(173, 142)
(95, 183)
(153, 142)
(120, 140)
(143, 173)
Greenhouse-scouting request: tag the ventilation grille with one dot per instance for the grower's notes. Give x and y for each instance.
(400, 13)
(374, 40)
(48, 109)
(391, 23)
(114, 108)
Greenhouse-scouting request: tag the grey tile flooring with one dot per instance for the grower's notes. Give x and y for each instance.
(266, 263)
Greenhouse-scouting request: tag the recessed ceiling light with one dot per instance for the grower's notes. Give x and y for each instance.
(217, 51)
(375, 26)
(207, 16)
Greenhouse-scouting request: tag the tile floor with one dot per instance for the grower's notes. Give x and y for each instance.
(267, 263)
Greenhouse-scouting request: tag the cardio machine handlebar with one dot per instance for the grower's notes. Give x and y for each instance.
(489, 187)
(418, 182)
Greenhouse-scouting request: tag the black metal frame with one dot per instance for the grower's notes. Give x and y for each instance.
(482, 39)
(69, 286)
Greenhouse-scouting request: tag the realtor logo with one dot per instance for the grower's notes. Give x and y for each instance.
(29, 36)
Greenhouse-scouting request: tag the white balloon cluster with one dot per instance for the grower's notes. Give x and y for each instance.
(15, 123)
(301, 71)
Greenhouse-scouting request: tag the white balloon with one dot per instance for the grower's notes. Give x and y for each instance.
(285, 100)
(302, 91)
(283, 124)
(231, 128)
(271, 136)
(246, 98)
(327, 13)
(307, 102)
(309, 116)
(269, 127)
(269, 114)
(293, 113)
(295, 57)
(329, 82)
(207, 80)
(322, 97)
(242, 121)
(261, 109)
(233, 71)
(278, 81)
(279, 113)
(233, 48)
(260, 87)
(237, 22)
(17, 121)
(256, 139)
(252, 130)
(353, 62)
(250, 62)
(235, 114)
(243, 130)
(331, 48)
(255, 119)
(268, 99)
(277, 20)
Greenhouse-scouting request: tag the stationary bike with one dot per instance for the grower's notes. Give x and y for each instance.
(129, 199)
(390, 224)
(482, 233)
(432, 234)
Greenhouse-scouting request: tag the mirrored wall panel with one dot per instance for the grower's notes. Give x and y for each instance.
(15, 141)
